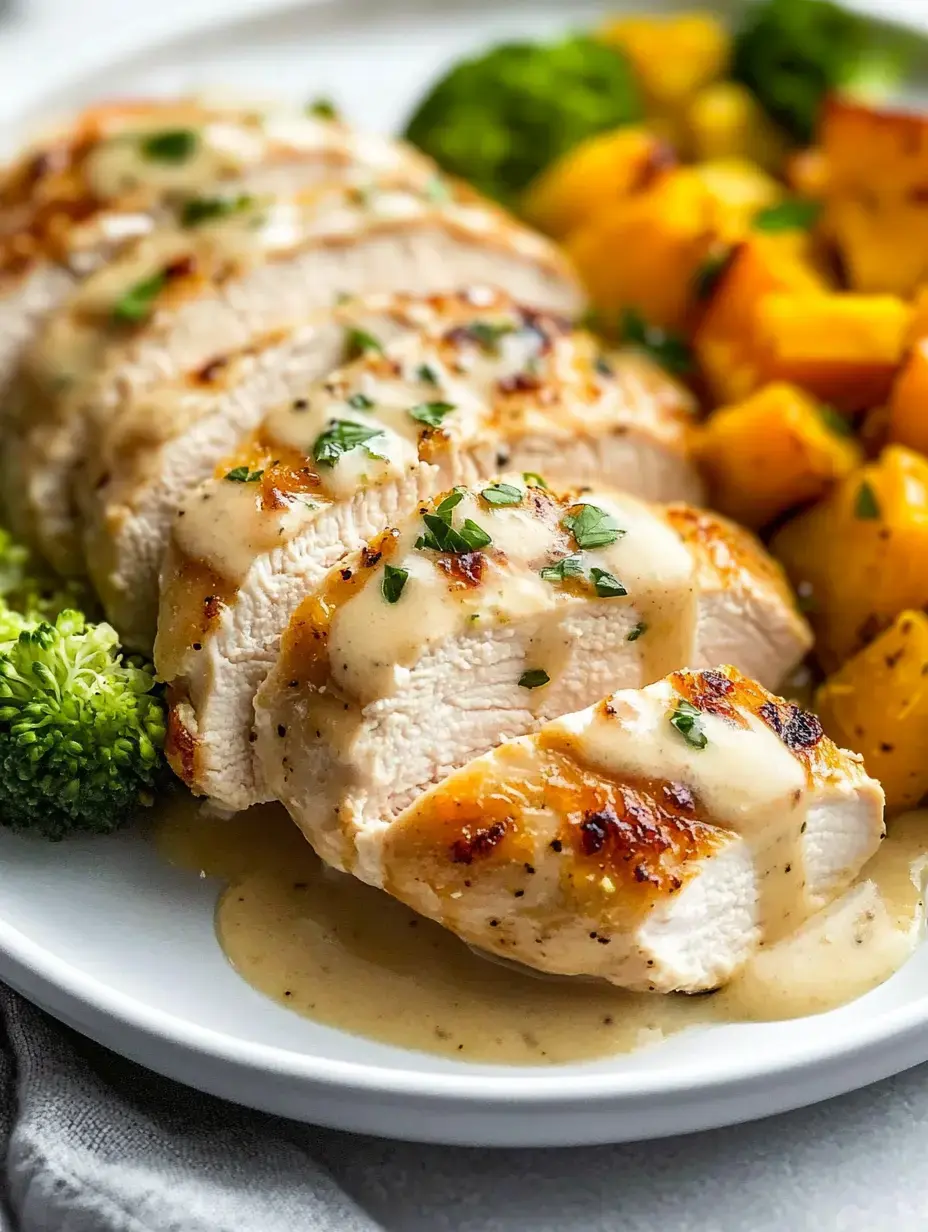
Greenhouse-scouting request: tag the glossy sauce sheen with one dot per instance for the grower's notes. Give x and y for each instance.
(350, 957)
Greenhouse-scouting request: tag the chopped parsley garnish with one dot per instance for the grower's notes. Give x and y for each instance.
(534, 678)
(567, 567)
(136, 304)
(174, 145)
(688, 722)
(451, 501)
(197, 210)
(427, 374)
(393, 582)
(792, 215)
(488, 334)
(241, 474)
(866, 506)
(636, 631)
(322, 108)
(431, 413)
(502, 494)
(359, 342)
(341, 436)
(607, 585)
(360, 402)
(437, 190)
(707, 275)
(531, 480)
(603, 366)
(836, 422)
(592, 527)
(665, 348)
(441, 536)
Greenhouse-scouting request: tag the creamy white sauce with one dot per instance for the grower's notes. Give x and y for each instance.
(372, 643)
(428, 367)
(346, 955)
(249, 531)
(746, 778)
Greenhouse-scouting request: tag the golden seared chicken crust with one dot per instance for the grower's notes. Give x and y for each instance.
(539, 852)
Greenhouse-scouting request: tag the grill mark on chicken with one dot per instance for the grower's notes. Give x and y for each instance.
(180, 745)
(477, 843)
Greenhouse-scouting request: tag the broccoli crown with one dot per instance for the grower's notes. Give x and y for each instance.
(791, 53)
(28, 588)
(499, 119)
(80, 729)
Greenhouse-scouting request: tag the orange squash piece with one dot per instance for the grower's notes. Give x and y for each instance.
(595, 176)
(908, 405)
(860, 556)
(773, 452)
(672, 55)
(877, 194)
(844, 348)
(726, 341)
(644, 252)
(877, 705)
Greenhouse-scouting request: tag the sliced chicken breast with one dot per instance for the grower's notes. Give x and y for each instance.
(182, 298)
(82, 190)
(655, 840)
(162, 441)
(511, 388)
(482, 617)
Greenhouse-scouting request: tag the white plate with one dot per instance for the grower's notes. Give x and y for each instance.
(105, 936)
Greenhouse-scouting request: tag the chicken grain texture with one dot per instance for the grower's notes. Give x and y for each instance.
(607, 845)
(504, 386)
(85, 191)
(215, 288)
(374, 698)
(162, 441)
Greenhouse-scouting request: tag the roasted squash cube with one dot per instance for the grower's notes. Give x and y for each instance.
(844, 348)
(673, 55)
(644, 252)
(740, 189)
(725, 120)
(594, 176)
(908, 405)
(860, 556)
(773, 452)
(877, 705)
(726, 342)
(877, 194)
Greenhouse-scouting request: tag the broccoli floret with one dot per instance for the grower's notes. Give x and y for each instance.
(499, 119)
(791, 53)
(80, 728)
(26, 586)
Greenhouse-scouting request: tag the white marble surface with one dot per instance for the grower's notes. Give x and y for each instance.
(856, 1164)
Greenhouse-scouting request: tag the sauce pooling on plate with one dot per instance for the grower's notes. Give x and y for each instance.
(351, 957)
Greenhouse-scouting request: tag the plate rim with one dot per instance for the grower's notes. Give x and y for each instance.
(889, 1030)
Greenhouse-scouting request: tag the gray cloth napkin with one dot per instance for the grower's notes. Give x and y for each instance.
(93, 1143)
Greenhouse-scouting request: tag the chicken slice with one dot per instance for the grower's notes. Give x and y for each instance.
(409, 661)
(195, 295)
(73, 199)
(655, 840)
(511, 388)
(163, 440)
